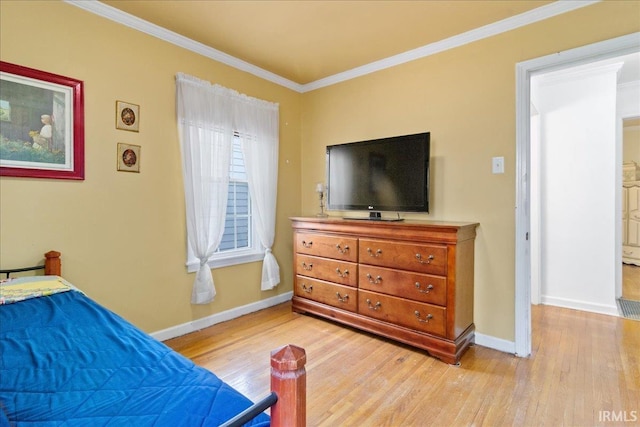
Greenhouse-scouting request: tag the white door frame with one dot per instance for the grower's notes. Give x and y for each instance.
(524, 70)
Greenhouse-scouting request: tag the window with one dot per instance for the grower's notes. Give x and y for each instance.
(207, 116)
(239, 242)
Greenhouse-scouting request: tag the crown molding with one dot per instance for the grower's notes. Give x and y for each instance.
(633, 85)
(579, 72)
(535, 15)
(553, 9)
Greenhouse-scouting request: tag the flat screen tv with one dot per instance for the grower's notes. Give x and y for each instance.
(380, 175)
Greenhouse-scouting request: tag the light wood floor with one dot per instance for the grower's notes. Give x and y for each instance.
(582, 364)
(631, 282)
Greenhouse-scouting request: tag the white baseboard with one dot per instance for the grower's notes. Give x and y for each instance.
(205, 322)
(496, 343)
(196, 325)
(510, 346)
(611, 310)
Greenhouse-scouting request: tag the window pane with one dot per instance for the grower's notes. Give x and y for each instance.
(242, 199)
(231, 199)
(242, 228)
(237, 231)
(228, 238)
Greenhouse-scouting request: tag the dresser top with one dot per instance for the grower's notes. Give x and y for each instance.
(417, 229)
(414, 222)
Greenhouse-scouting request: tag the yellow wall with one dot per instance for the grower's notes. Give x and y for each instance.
(122, 235)
(465, 97)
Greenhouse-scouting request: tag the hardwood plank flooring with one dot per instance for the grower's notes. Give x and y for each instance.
(582, 365)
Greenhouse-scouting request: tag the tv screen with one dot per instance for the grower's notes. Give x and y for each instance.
(388, 174)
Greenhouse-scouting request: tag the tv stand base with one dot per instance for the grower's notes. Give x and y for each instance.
(376, 216)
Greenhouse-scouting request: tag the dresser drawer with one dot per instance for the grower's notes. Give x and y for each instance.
(326, 245)
(411, 314)
(404, 284)
(342, 272)
(339, 296)
(631, 252)
(404, 256)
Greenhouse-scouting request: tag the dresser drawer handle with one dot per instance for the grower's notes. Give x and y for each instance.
(376, 254)
(306, 266)
(422, 261)
(341, 249)
(345, 298)
(307, 289)
(375, 281)
(342, 274)
(424, 291)
(374, 307)
(307, 244)
(426, 319)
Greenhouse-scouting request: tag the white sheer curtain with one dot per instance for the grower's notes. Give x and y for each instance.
(206, 138)
(208, 116)
(258, 127)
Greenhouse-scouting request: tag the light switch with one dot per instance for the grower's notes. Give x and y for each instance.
(497, 165)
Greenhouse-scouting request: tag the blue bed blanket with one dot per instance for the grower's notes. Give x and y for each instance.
(67, 361)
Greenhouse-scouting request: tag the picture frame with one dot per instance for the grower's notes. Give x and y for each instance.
(128, 157)
(127, 116)
(42, 124)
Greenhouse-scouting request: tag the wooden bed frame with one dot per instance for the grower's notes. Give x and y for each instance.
(288, 375)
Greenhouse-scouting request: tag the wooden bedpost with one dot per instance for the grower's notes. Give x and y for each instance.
(52, 264)
(289, 382)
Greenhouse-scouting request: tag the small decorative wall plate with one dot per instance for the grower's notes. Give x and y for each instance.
(127, 116)
(128, 157)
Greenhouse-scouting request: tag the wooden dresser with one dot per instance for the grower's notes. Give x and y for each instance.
(411, 281)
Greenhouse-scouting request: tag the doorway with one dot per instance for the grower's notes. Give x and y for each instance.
(631, 211)
(524, 71)
(573, 186)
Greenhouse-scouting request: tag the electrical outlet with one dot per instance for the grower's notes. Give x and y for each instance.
(497, 165)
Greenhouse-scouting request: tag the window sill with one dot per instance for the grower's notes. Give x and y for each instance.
(192, 267)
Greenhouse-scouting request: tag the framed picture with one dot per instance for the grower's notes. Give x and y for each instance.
(127, 116)
(128, 157)
(41, 124)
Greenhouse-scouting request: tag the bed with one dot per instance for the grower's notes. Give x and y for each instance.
(66, 360)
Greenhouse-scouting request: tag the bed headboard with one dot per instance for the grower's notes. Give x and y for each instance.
(52, 266)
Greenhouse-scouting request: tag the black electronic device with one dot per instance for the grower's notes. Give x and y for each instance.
(380, 175)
